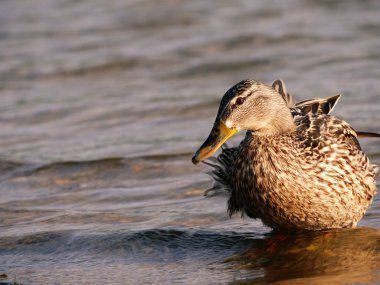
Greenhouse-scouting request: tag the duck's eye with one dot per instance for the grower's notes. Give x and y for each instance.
(239, 101)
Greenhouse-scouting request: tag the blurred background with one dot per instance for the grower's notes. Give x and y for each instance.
(102, 104)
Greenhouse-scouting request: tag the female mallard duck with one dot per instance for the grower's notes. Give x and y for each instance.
(297, 167)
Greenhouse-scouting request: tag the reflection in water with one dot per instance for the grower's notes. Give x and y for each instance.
(329, 257)
(325, 257)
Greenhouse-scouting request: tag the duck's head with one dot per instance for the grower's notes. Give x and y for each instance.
(249, 105)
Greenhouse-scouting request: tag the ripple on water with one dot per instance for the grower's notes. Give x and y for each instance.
(338, 255)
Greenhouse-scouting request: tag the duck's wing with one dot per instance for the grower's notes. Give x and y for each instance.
(321, 131)
(316, 105)
(324, 106)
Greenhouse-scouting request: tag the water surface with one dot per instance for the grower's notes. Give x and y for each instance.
(103, 104)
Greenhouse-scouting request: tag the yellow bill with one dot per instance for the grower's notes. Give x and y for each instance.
(219, 134)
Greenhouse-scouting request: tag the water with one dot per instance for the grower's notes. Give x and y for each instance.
(102, 105)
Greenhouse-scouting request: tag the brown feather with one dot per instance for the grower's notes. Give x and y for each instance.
(367, 135)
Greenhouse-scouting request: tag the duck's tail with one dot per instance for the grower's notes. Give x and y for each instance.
(367, 135)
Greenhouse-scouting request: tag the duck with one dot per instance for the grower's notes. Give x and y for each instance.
(297, 168)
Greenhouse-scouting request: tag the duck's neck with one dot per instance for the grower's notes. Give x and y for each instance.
(280, 124)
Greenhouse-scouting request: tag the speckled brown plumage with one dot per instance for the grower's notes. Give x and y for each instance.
(315, 177)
